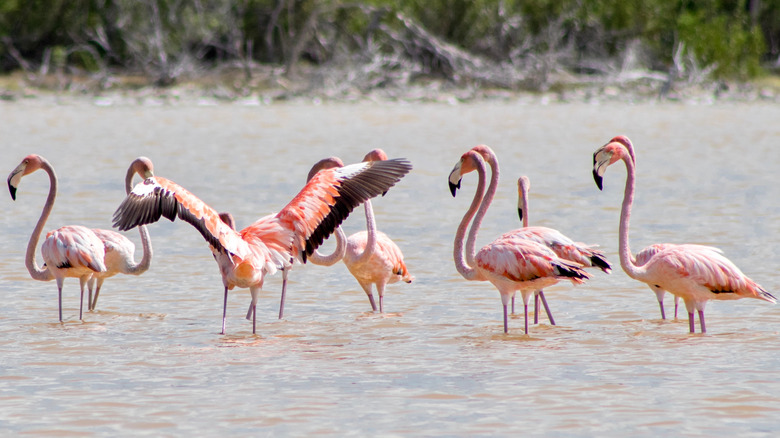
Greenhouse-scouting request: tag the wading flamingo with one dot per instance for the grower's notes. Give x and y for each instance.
(371, 256)
(695, 273)
(563, 247)
(316, 257)
(647, 253)
(70, 251)
(119, 249)
(510, 264)
(274, 241)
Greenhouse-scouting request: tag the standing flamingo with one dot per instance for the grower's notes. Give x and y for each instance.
(510, 264)
(341, 239)
(694, 273)
(118, 248)
(563, 247)
(371, 256)
(274, 241)
(70, 251)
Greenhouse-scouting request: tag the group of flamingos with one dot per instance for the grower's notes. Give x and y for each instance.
(528, 259)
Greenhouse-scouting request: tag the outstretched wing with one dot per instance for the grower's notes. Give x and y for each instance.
(329, 197)
(156, 197)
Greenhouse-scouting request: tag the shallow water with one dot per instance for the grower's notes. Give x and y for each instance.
(150, 360)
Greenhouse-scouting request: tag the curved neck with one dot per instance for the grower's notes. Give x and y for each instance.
(471, 242)
(524, 201)
(32, 265)
(338, 253)
(371, 231)
(146, 241)
(463, 267)
(626, 259)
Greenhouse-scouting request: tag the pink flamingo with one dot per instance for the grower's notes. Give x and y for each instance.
(509, 263)
(118, 248)
(695, 273)
(341, 239)
(71, 251)
(563, 247)
(371, 256)
(274, 241)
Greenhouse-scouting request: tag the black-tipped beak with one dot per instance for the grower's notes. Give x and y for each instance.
(12, 189)
(454, 187)
(599, 179)
(520, 213)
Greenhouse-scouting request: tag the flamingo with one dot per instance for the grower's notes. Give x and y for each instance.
(341, 239)
(70, 251)
(695, 273)
(510, 264)
(371, 256)
(563, 247)
(119, 249)
(272, 242)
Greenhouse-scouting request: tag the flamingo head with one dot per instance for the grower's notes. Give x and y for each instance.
(29, 164)
(227, 218)
(143, 167)
(469, 162)
(325, 163)
(523, 185)
(375, 155)
(607, 155)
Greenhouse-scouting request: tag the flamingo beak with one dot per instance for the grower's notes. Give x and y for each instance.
(14, 178)
(601, 160)
(520, 213)
(454, 179)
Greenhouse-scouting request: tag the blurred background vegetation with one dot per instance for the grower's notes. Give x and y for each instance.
(513, 44)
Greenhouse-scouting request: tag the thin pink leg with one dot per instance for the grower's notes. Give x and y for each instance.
(691, 325)
(536, 308)
(513, 304)
(526, 318)
(254, 318)
(663, 313)
(701, 321)
(546, 308)
(81, 304)
(224, 311)
(506, 325)
(284, 293)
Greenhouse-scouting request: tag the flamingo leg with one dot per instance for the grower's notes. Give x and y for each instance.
(663, 314)
(536, 308)
(676, 304)
(224, 311)
(691, 325)
(89, 296)
(526, 317)
(380, 289)
(82, 283)
(701, 321)
(546, 308)
(254, 318)
(367, 288)
(506, 325)
(513, 304)
(284, 293)
(97, 293)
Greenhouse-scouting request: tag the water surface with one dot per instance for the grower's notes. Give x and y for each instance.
(151, 361)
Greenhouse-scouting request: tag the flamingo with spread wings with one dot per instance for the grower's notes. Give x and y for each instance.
(695, 273)
(371, 256)
(118, 248)
(70, 251)
(274, 241)
(509, 263)
(563, 246)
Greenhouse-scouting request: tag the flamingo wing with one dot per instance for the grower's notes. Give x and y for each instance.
(329, 197)
(708, 267)
(73, 246)
(156, 197)
(523, 260)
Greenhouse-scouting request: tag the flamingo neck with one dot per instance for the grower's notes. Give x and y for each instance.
(32, 265)
(468, 272)
(524, 195)
(626, 259)
(338, 254)
(146, 241)
(368, 251)
(471, 242)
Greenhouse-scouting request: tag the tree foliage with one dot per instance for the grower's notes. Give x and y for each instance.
(502, 42)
